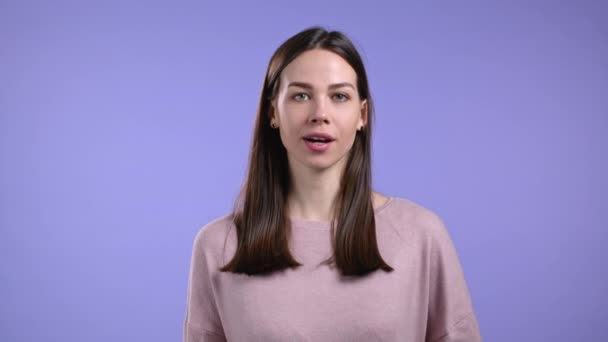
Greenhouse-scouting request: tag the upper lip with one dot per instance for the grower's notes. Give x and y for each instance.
(319, 135)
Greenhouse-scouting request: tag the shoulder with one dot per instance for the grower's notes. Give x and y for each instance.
(413, 222)
(212, 236)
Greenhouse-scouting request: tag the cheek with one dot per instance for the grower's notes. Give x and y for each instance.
(290, 130)
(352, 135)
(348, 129)
(292, 120)
(350, 121)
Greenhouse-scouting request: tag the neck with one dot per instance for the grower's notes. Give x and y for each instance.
(313, 192)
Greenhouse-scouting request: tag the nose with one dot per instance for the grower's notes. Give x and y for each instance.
(319, 112)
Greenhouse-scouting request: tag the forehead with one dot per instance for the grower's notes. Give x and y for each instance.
(319, 67)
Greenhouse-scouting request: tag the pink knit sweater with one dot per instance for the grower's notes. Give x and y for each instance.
(424, 299)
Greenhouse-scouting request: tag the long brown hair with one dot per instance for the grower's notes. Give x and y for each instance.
(262, 225)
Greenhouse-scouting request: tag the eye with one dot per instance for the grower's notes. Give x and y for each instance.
(301, 97)
(341, 97)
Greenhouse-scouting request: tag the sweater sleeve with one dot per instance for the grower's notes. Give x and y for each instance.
(451, 314)
(202, 322)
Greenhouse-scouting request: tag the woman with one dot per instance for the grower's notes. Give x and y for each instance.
(310, 253)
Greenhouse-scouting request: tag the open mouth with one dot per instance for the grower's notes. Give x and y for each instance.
(318, 144)
(318, 140)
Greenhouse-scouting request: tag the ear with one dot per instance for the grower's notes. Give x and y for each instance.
(272, 110)
(363, 118)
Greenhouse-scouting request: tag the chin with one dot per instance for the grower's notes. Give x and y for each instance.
(322, 163)
(321, 167)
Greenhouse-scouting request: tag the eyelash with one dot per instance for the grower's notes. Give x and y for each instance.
(344, 96)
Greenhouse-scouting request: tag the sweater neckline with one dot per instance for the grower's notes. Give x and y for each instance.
(314, 224)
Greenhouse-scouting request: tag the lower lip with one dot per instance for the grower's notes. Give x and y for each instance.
(316, 147)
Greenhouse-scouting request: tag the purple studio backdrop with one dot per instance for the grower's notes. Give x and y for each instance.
(125, 127)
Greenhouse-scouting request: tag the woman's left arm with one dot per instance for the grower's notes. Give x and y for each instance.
(451, 313)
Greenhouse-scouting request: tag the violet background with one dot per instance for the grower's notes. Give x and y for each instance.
(125, 127)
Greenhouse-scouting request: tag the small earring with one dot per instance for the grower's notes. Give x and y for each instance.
(273, 125)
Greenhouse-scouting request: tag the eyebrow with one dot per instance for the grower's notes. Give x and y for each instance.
(331, 86)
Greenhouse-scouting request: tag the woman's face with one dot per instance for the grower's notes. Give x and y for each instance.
(318, 95)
